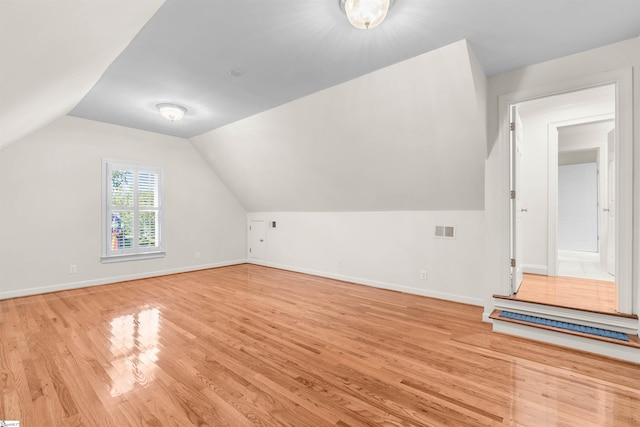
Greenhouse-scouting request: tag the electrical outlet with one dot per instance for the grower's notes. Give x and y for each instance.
(73, 269)
(197, 255)
(423, 275)
(340, 264)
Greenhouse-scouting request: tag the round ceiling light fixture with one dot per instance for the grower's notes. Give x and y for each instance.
(171, 112)
(366, 14)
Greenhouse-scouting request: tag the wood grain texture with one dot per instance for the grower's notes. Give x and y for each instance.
(573, 292)
(254, 346)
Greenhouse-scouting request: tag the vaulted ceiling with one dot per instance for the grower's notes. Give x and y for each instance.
(53, 52)
(407, 137)
(113, 61)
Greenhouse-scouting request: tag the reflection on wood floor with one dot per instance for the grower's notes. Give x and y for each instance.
(585, 294)
(247, 346)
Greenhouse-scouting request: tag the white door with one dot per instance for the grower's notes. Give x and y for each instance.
(517, 209)
(578, 207)
(257, 238)
(610, 209)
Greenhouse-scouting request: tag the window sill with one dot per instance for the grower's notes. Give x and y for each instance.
(131, 257)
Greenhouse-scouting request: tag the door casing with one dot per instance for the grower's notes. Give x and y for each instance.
(623, 80)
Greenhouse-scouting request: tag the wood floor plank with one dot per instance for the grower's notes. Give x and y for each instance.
(254, 346)
(573, 292)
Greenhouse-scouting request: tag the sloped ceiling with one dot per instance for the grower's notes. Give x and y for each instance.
(406, 137)
(286, 49)
(53, 52)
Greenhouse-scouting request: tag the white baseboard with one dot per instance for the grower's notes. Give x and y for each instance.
(535, 269)
(107, 280)
(374, 283)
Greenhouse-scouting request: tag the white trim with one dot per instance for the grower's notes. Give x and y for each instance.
(374, 283)
(136, 251)
(624, 189)
(114, 279)
(595, 346)
(535, 269)
(623, 79)
(131, 257)
(504, 159)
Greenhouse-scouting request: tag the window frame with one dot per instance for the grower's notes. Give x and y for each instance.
(136, 252)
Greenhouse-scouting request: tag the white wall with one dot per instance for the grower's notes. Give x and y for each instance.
(50, 188)
(407, 137)
(383, 249)
(594, 62)
(357, 176)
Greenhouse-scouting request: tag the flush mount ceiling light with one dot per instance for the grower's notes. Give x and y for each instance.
(366, 14)
(171, 112)
(236, 72)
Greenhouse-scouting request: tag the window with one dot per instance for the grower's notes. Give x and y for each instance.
(132, 220)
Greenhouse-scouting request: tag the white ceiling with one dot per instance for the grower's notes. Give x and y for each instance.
(288, 49)
(52, 53)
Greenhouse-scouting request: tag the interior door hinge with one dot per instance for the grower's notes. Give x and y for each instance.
(513, 262)
(513, 194)
(249, 250)
(512, 126)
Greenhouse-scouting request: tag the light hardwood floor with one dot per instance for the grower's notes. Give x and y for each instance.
(254, 346)
(574, 292)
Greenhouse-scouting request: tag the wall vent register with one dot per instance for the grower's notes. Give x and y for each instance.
(445, 232)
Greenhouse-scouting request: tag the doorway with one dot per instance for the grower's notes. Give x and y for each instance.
(566, 227)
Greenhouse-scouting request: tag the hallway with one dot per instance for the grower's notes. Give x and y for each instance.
(585, 265)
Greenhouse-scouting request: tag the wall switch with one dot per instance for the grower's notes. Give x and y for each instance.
(423, 275)
(197, 255)
(73, 269)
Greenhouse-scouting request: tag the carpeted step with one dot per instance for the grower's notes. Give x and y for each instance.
(569, 328)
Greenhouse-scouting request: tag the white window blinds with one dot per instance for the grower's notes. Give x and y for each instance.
(133, 210)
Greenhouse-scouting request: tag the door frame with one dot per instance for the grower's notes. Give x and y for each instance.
(517, 210)
(623, 80)
(552, 186)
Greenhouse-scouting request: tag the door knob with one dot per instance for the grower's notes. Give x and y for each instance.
(523, 210)
(261, 240)
(605, 209)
